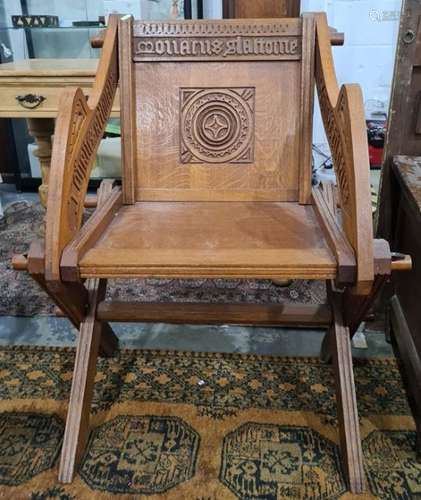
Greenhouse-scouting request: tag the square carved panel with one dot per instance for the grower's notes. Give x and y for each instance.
(217, 125)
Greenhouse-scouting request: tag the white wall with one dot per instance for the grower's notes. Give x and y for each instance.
(371, 29)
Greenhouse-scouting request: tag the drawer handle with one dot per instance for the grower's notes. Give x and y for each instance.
(30, 101)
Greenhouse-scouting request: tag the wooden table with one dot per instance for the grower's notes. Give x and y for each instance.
(41, 81)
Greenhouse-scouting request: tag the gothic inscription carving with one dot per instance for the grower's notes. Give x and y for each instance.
(217, 41)
(223, 48)
(217, 125)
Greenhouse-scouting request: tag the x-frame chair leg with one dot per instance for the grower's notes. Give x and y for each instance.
(77, 423)
(338, 341)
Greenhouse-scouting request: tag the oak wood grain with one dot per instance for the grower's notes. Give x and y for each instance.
(343, 116)
(128, 109)
(307, 108)
(273, 173)
(347, 266)
(77, 422)
(79, 129)
(90, 232)
(349, 431)
(297, 315)
(198, 239)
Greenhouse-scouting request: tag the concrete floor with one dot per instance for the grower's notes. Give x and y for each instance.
(51, 331)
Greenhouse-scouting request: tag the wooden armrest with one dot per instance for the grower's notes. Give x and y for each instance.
(344, 121)
(336, 239)
(79, 129)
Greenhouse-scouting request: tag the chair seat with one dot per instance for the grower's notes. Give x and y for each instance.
(211, 239)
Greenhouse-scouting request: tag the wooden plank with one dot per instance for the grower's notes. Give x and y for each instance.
(347, 266)
(128, 109)
(408, 354)
(307, 108)
(349, 431)
(272, 240)
(309, 316)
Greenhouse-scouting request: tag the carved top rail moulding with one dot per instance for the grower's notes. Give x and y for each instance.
(269, 39)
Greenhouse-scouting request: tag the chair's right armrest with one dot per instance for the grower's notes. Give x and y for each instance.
(342, 112)
(79, 129)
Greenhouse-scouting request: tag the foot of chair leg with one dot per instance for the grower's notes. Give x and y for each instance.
(77, 424)
(349, 430)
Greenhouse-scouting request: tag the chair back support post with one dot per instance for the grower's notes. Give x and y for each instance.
(127, 109)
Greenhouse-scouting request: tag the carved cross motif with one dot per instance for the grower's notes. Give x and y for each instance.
(217, 125)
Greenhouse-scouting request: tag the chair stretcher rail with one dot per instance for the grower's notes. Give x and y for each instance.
(308, 315)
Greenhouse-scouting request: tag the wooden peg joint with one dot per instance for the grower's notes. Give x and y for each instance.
(401, 262)
(20, 262)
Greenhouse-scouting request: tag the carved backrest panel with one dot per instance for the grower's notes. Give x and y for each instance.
(218, 109)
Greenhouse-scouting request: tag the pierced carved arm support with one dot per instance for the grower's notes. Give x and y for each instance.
(343, 117)
(79, 129)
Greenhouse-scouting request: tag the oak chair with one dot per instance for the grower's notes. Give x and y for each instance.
(216, 123)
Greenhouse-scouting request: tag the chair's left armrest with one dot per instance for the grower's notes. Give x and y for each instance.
(79, 129)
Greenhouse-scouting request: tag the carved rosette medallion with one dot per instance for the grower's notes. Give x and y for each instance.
(217, 125)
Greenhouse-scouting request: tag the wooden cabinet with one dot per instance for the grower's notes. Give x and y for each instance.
(399, 212)
(405, 305)
(31, 89)
(43, 78)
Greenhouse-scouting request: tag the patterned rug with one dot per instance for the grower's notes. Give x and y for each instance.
(21, 296)
(189, 426)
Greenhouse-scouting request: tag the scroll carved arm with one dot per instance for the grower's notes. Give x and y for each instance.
(79, 129)
(343, 117)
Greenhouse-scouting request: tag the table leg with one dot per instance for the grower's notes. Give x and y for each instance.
(42, 129)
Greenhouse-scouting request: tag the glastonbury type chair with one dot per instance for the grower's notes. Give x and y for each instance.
(216, 120)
